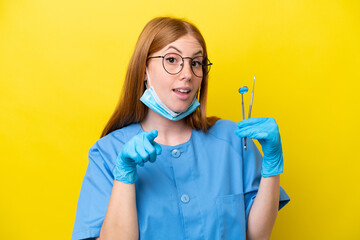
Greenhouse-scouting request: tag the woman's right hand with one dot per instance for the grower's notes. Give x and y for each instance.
(137, 151)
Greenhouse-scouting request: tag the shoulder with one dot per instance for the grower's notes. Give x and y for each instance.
(119, 136)
(110, 145)
(223, 129)
(222, 132)
(222, 136)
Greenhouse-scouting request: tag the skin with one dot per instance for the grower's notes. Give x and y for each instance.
(121, 217)
(164, 83)
(172, 132)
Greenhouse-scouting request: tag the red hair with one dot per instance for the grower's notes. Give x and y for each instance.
(157, 33)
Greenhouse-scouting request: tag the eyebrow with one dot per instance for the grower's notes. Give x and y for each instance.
(200, 51)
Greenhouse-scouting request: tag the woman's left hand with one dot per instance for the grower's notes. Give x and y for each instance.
(266, 131)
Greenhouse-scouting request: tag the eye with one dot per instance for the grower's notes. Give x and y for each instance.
(171, 60)
(196, 63)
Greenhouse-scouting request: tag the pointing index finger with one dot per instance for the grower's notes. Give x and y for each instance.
(152, 135)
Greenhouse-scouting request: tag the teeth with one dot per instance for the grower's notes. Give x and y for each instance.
(183, 90)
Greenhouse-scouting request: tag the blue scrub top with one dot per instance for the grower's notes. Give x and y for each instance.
(201, 189)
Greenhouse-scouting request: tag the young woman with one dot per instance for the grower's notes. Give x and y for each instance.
(162, 169)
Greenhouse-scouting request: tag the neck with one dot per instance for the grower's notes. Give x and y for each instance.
(170, 132)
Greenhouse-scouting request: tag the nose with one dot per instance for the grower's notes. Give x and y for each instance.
(186, 72)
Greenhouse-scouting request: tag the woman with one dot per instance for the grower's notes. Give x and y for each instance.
(162, 169)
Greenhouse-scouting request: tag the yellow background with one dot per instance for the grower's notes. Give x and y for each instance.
(62, 65)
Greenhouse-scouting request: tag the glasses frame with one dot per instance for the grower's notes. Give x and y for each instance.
(182, 64)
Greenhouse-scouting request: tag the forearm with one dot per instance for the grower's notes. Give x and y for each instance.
(121, 217)
(264, 210)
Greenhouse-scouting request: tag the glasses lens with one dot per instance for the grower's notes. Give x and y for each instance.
(200, 66)
(197, 66)
(172, 63)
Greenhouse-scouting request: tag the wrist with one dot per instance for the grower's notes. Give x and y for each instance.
(125, 173)
(272, 166)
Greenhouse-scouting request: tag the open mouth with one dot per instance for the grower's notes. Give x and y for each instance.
(181, 90)
(182, 93)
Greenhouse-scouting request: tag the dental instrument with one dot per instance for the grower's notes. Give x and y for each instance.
(243, 90)
(252, 98)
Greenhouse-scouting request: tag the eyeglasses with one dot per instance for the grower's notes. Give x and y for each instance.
(173, 63)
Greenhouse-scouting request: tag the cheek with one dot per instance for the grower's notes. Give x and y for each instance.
(198, 84)
(164, 87)
(160, 81)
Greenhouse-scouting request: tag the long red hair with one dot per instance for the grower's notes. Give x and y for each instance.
(157, 33)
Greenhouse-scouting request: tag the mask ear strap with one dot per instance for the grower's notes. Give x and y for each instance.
(148, 78)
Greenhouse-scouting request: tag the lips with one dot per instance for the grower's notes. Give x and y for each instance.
(182, 90)
(182, 93)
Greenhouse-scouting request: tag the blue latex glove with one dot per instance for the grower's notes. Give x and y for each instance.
(266, 131)
(140, 149)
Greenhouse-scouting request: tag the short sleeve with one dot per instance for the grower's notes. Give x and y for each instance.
(252, 175)
(94, 197)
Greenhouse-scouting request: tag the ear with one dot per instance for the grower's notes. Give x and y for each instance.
(145, 77)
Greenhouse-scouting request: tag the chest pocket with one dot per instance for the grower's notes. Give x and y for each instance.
(231, 214)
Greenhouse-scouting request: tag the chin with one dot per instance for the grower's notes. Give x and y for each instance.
(180, 108)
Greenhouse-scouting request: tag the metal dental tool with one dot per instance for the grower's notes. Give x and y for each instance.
(243, 90)
(252, 98)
